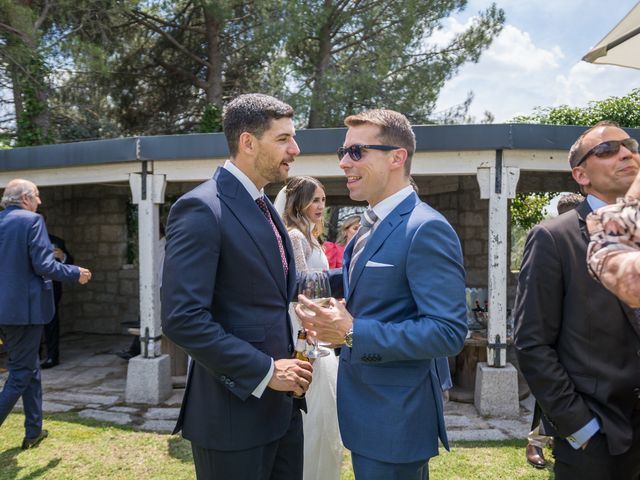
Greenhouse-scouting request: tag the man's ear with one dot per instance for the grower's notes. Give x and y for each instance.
(247, 143)
(399, 158)
(581, 176)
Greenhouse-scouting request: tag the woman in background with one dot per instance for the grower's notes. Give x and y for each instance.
(304, 202)
(335, 251)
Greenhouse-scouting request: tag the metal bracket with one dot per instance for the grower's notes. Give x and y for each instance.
(145, 342)
(496, 348)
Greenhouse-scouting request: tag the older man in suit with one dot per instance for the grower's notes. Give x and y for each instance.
(577, 344)
(227, 282)
(405, 306)
(27, 267)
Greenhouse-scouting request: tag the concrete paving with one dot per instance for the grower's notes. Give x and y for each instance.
(91, 380)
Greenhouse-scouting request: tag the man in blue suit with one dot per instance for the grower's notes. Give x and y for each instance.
(228, 278)
(405, 306)
(27, 267)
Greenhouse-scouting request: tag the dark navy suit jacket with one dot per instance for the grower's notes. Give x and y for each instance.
(225, 301)
(27, 266)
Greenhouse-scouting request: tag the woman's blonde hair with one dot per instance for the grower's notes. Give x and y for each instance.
(300, 192)
(347, 223)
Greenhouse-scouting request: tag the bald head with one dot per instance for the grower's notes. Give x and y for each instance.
(21, 193)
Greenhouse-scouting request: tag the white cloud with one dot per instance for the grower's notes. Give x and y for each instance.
(515, 51)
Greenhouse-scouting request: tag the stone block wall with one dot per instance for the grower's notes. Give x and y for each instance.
(91, 219)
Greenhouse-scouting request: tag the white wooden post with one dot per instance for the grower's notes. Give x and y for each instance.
(149, 374)
(148, 200)
(496, 390)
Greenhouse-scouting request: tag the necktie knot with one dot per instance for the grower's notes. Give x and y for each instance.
(368, 218)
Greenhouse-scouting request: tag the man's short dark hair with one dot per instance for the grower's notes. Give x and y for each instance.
(568, 202)
(251, 113)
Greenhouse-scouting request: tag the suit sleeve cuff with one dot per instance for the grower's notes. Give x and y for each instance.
(577, 439)
(262, 386)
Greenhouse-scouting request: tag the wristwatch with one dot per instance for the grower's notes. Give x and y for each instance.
(348, 338)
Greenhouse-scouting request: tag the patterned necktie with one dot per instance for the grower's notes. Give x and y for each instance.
(283, 256)
(368, 219)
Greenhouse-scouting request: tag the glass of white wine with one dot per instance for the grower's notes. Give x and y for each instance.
(317, 289)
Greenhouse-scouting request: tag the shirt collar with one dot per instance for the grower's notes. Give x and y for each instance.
(244, 180)
(386, 206)
(595, 203)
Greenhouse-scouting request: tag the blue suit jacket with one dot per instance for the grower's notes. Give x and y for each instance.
(408, 302)
(27, 266)
(225, 302)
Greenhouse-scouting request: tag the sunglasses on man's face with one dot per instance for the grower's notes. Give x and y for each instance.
(355, 150)
(610, 148)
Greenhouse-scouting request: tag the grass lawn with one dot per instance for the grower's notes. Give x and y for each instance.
(79, 448)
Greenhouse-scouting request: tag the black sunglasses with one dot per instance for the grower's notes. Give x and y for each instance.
(610, 147)
(355, 150)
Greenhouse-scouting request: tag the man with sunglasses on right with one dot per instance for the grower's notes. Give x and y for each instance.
(578, 346)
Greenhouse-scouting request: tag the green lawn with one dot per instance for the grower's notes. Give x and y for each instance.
(79, 448)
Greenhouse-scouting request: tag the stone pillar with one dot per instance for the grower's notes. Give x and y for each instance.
(148, 375)
(497, 183)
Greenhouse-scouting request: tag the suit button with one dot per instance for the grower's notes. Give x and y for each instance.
(290, 348)
(636, 392)
(232, 384)
(223, 377)
(638, 353)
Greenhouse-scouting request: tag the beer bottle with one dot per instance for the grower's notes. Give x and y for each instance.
(301, 346)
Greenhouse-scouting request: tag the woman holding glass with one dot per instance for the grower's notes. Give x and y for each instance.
(302, 202)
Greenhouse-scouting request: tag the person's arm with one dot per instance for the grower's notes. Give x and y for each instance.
(301, 250)
(43, 260)
(613, 255)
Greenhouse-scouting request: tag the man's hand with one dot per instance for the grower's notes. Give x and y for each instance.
(85, 275)
(291, 375)
(327, 324)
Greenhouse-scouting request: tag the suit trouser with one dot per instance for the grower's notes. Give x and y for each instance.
(595, 462)
(278, 460)
(52, 329)
(23, 343)
(369, 469)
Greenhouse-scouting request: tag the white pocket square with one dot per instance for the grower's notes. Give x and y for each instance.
(377, 264)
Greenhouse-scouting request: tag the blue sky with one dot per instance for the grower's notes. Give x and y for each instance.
(536, 60)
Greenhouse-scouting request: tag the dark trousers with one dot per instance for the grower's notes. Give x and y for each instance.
(22, 344)
(595, 462)
(279, 460)
(369, 469)
(52, 337)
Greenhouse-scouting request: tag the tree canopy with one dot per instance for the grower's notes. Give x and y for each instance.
(83, 69)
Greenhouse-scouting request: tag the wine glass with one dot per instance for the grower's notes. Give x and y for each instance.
(316, 288)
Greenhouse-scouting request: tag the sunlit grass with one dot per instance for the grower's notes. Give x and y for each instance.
(79, 448)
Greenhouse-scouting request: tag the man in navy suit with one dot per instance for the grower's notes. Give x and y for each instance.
(228, 279)
(27, 268)
(405, 307)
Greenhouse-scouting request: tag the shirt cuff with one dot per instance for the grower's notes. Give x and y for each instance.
(262, 386)
(577, 439)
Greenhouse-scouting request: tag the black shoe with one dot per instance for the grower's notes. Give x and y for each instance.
(125, 355)
(49, 363)
(35, 441)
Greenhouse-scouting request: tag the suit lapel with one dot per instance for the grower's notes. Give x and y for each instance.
(584, 209)
(248, 214)
(387, 225)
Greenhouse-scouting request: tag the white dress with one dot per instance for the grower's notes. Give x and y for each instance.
(322, 443)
